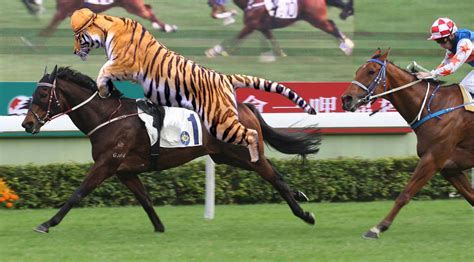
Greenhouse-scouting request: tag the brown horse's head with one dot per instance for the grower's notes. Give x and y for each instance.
(45, 103)
(369, 80)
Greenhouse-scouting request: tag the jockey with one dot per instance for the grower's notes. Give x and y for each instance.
(220, 12)
(459, 45)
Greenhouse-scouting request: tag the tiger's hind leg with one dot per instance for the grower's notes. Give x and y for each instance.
(238, 134)
(252, 144)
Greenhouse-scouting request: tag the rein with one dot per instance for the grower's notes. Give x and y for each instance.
(381, 76)
(47, 118)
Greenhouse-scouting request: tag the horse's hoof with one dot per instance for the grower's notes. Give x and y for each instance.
(373, 233)
(160, 229)
(346, 13)
(217, 50)
(267, 57)
(310, 219)
(41, 229)
(347, 46)
(170, 28)
(228, 21)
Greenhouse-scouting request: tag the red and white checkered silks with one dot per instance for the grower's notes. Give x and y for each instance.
(442, 27)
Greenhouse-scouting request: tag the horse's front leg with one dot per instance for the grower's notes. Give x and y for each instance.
(94, 178)
(133, 182)
(424, 171)
(146, 11)
(228, 46)
(276, 49)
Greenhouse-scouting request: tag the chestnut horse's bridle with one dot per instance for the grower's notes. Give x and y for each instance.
(381, 76)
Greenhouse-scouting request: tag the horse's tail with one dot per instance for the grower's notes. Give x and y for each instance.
(269, 86)
(300, 143)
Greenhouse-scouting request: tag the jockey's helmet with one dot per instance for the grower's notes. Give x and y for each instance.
(81, 19)
(442, 27)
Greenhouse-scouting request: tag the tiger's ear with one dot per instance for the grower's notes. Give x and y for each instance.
(52, 77)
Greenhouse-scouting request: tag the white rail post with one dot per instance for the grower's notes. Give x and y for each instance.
(210, 187)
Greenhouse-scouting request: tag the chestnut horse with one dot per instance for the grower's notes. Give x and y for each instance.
(64, 9)
(442, 127)
(122, 147)
(256, 17)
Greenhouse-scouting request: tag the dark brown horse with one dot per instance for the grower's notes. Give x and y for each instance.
(445, 141)
(256, 17)
(65, 8)
(122, 147)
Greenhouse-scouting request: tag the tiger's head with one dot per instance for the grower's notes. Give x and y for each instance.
(87, 33)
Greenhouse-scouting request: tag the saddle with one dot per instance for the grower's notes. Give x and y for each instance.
(158, 114)
(468, 99)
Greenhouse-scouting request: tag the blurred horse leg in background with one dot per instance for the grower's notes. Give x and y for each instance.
(257, 17)
(35, 7)
(219, 11)
(315, 13)
(64, 8)
(145, 11)
(347, 7)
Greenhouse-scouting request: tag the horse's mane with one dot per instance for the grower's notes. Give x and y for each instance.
(84, 81)
(432, 81)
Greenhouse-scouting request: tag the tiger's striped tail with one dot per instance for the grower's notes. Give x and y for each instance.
(272, 87)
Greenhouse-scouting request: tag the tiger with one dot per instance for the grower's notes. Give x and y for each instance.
(168, 78)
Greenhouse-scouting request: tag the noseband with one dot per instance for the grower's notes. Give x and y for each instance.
(381, 76)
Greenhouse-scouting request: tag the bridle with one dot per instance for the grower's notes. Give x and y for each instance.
(53, 95)
(381, 76)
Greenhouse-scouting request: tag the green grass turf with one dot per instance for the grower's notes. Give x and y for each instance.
(312, 55)
(424, 231)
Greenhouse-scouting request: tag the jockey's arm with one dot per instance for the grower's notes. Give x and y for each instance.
(451, 62)
(445, 61)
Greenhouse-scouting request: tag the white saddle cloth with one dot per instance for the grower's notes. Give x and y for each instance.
(181, 128)
(285, 9)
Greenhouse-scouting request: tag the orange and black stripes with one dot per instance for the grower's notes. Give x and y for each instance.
(170, 79)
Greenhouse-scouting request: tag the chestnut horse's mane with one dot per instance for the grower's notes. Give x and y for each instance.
(432, 81)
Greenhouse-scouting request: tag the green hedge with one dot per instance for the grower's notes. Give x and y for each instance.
(321, 180)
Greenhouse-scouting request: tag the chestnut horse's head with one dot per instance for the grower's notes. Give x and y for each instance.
(44, 105)
(370, 79)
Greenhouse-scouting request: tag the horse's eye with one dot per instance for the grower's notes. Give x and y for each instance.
(371, 72)
(43, 93)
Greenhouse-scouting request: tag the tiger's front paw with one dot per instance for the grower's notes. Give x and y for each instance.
(104, 91)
